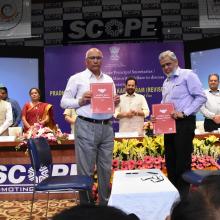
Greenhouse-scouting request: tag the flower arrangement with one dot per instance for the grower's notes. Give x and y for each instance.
(206, 153)
(148, 152)
(206, 147)
(134, 149)
(148, 162)
(148, 128)
(204, 162)
(37, 130)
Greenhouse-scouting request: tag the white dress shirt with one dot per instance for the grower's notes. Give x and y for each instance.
(72, 114)
(136, 102)
(8, 117)
(77, 85)
(212, 105)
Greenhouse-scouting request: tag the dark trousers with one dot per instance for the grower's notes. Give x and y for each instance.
(178, 150)
(210, 125)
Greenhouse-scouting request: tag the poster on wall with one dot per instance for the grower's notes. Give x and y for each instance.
(139, 60)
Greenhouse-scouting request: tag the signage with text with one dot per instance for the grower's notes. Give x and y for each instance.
(115, 28)
(19, 178)
(164, 123)
(102, 98)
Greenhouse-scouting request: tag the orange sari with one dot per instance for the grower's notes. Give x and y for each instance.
(37, 113)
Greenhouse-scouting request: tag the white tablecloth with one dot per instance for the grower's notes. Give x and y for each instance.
(137, 191)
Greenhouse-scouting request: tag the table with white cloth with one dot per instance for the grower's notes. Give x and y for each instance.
(147, 193)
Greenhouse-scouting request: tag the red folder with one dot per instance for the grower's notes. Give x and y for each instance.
(102, 98)
(164, 123)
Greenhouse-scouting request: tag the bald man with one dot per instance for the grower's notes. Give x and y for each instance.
(94, 136)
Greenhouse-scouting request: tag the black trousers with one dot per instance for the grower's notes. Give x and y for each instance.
(210, 125)
(178, 150)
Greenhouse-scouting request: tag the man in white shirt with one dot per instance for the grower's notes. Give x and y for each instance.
(211, 109)
(94, 136)
(70, 116)
(16, 109)
(132, 109)
(6, 117)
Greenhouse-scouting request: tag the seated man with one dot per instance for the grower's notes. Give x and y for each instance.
(132, 109)
(6, 118)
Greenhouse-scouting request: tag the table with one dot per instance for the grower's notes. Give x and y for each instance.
(146, 193)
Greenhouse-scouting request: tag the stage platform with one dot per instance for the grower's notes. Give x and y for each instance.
(15, 165)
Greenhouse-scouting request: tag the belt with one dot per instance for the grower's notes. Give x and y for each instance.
(189, 117)
(103, 122)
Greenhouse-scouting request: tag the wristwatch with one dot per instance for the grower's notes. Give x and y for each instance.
(184, 115)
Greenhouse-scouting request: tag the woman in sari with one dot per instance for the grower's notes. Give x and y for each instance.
(37, 112)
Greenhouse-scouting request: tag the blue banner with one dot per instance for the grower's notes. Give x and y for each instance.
(120, 61)
(19, 178)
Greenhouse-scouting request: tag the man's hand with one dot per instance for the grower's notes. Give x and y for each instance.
(137, 113)
(86, 98)
(176, 114)
(116, 99)
(129, 114)
(216, 119)
(153, 119)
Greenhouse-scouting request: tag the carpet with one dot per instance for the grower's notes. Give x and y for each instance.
(17, 210)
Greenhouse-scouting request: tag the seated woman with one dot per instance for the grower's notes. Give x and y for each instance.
(37, 112)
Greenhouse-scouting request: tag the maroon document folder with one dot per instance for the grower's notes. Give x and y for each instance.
(102, 98)
(164, 123)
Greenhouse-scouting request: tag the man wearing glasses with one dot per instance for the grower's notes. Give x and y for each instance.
(94, 136)
(183, 88)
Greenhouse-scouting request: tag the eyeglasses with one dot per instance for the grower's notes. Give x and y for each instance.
(95, 58)
(166, 64)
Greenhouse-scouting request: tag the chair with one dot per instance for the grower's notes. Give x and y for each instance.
(40, 155)
(195, 177)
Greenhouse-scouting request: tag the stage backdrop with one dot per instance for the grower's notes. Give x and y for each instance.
(120, 61)
(205, 62)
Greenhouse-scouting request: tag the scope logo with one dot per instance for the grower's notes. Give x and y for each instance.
(145, 27)
(24, 174)
(44, 173)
